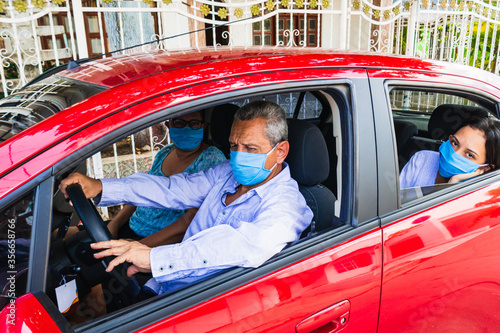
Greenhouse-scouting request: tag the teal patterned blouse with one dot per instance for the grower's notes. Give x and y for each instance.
(147, 221)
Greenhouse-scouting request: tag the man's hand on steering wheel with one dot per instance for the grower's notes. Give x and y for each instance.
(91, 187)
(96, 228)
(125, 251)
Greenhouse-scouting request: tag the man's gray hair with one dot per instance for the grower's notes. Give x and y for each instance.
(277, 128)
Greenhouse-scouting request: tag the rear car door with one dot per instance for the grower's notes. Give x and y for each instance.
(440, 249)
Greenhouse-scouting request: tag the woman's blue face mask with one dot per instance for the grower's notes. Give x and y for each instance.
(248, 168)
(451, 163)
(186, 138)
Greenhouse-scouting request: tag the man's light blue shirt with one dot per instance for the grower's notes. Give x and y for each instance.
(245, 233)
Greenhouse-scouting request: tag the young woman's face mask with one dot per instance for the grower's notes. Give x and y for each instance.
(452, 163)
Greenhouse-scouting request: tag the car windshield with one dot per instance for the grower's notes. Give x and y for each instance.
(38, 101)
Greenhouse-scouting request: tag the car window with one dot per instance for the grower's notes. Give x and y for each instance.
(309, 105)
(423, 119)
(137, 153)
(16, 222)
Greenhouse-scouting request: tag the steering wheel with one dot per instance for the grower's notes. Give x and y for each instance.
(99, 232)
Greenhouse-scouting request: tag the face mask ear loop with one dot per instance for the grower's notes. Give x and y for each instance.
(275, 164)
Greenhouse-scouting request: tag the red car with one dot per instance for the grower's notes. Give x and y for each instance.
(376, 258)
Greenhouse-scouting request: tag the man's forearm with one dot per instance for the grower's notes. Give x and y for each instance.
(144, 190)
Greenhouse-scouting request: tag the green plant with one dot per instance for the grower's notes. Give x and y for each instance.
(11, 71)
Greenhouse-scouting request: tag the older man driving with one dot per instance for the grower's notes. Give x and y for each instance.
(249, 207)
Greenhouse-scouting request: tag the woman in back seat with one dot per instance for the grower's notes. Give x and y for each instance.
(470, 152)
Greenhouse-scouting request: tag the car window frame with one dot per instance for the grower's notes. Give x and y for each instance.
(41, 185)
(239, 276)
(392, 205)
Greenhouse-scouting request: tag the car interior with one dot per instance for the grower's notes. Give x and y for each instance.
(424, 119)
(316, 121)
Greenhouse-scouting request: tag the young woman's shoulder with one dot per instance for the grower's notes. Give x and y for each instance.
(420, 170)
(425, 155)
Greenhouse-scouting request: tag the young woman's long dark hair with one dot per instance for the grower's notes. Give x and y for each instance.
(491, 129)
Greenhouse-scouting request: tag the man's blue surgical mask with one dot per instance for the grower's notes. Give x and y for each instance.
(451, 163)
(248, 168)
(186, 138)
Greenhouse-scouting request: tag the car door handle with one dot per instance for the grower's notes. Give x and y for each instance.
(329, 320)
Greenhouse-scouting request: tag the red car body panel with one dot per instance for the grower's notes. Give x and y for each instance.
(279, 301)
(446, 259)
(27, 315)
(114, 71)
(489, 86)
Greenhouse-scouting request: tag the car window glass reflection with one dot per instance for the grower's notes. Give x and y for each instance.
(441, 138)
(15, 234)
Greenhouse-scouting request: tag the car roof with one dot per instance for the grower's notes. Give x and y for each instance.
(116, 70)
(138, 77)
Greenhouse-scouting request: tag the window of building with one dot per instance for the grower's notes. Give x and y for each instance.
(291, 30)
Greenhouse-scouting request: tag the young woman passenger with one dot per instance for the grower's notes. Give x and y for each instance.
(470, 152)
(188, 153)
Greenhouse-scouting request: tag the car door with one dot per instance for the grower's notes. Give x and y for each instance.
(329, 282)
(440, 250)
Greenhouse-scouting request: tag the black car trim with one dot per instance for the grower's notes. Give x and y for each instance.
(158, 308)
(40, 236)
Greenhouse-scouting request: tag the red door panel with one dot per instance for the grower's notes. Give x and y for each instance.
(280, 301)
(441, 267)
(26, 314)
(329, 320)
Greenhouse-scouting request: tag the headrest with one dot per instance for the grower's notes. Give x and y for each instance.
(404, 131)
(308, 157)
(221, 121)
(446, 119)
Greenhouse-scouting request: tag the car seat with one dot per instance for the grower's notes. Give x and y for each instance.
(446, 119)
(309, 165)
(404, 131)
(221, 121)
